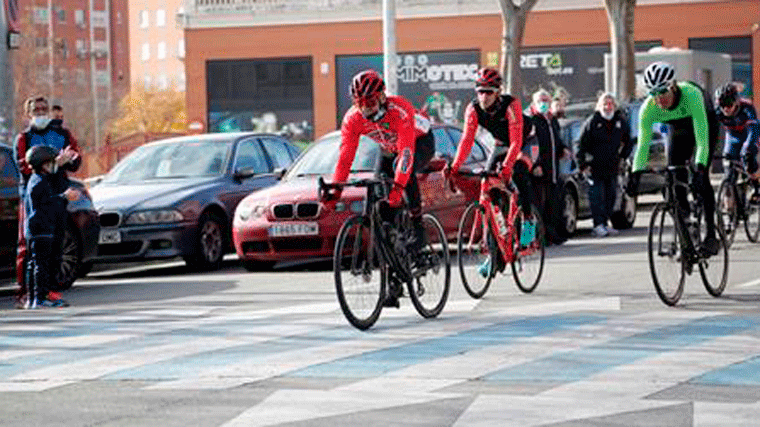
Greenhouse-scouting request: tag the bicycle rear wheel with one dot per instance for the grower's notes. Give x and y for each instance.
(476, 262)
(728, 210)
(666, 260)
(528, 262)
(359, 279)
(752, 217)
(429, 288)
(714, 270)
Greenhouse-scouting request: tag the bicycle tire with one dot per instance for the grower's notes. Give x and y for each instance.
(473, 248)
(361, 306)
(671, 257)
(751, 217)
(531, 256)
(727, 210)
(427, 293)
(715, 285)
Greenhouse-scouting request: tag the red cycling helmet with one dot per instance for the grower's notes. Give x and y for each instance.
(488, 77)
(367, 86)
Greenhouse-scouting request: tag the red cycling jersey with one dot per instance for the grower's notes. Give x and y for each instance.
(505, 124)
(396, 133)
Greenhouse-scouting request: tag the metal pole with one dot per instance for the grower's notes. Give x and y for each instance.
(389, 46)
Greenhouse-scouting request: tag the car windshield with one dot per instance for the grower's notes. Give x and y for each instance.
(321, 158)
(173, 160)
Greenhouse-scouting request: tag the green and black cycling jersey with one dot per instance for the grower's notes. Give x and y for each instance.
(691, 113)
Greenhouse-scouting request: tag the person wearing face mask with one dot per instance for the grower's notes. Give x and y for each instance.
(546, 179)
(406, 146)
(605, 136)
(42, 132)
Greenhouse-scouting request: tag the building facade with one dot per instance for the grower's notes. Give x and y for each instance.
(286, 64)
(157, 49)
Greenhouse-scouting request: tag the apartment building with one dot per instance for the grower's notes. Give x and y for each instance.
(293, 59)
(157, 49)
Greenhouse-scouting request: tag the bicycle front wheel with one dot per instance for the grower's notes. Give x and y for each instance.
(429, 288)
(714, 270)
(728, 210)
(359, 279)
(475, 259)
(666, 260)
(528, 261)
(751, 218)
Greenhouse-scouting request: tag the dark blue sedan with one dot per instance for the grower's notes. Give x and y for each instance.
(176, 197)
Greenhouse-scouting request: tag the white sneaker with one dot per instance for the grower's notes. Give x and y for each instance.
(611, 231)
(599, 231)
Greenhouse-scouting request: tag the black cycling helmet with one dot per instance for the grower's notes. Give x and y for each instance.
(39, 155)
(726, 95)
(488, 78)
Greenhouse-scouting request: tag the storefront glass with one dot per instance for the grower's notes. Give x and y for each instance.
(440, 83)
(264, 95)
(740, 49)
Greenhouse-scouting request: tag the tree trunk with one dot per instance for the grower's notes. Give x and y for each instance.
(620, 15)
(513, 18)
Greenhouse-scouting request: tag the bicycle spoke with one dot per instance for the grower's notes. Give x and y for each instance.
(528, 263)
(666, 259)
(476, 266)
(429, 289)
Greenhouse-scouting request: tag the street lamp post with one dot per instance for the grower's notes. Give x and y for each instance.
(389, 46)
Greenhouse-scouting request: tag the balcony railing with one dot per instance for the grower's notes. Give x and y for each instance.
(202, 13)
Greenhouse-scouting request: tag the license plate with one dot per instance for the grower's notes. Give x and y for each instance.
(294, 229)
(109, 237)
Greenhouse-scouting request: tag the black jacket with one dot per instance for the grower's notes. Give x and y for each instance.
(43, 206)
(550, 145)
(601, 143)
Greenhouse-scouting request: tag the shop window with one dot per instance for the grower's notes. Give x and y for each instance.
(740, 49)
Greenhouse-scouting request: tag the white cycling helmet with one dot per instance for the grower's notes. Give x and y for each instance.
(658, 76)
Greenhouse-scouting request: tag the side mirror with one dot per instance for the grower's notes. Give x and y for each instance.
(436, 164)
(243, 173)
(279, 173)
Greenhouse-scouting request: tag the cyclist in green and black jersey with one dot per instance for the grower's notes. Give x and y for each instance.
(694, 132)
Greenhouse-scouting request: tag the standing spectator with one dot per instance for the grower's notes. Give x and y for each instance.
(56, 113)
(43, 207)
(42, 132)
(605, 135)
(559, 103)
(548, 185)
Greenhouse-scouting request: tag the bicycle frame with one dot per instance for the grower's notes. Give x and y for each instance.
(671, 201)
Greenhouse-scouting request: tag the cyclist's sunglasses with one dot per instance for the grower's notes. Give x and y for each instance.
(367, 102)
(726, 103)
(486, 91)
(659, 92)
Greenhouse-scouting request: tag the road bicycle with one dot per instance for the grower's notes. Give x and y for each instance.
(493, 232)
(374, 257)
(675, 238)
(733, 203)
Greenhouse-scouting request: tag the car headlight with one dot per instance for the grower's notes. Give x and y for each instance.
(248, 211)
(154, 217)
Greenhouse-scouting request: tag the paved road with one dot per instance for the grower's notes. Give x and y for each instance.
(593, 346)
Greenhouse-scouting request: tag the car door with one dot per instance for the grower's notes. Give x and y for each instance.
(9, 201)
(249, 156)
(468, 188)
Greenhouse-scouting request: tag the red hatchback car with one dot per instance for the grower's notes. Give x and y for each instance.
(286, 223)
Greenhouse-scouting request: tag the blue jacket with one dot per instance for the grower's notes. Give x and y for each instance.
(44, 208)
(742, 128)
(54, 135)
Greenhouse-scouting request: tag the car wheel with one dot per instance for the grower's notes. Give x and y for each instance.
(626, 216)
(254, 266)
(71, 258)
(209, 244)
(570, 213)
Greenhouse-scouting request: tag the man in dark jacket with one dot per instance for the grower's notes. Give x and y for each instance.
(605, 135)
(547, 183)
(42, 130)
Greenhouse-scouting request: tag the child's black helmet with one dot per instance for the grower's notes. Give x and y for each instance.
(39, 155)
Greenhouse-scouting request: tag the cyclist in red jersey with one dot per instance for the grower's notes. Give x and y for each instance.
(407, 144)
(501, 115)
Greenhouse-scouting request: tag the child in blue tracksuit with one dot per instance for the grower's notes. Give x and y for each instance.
(43, 207)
